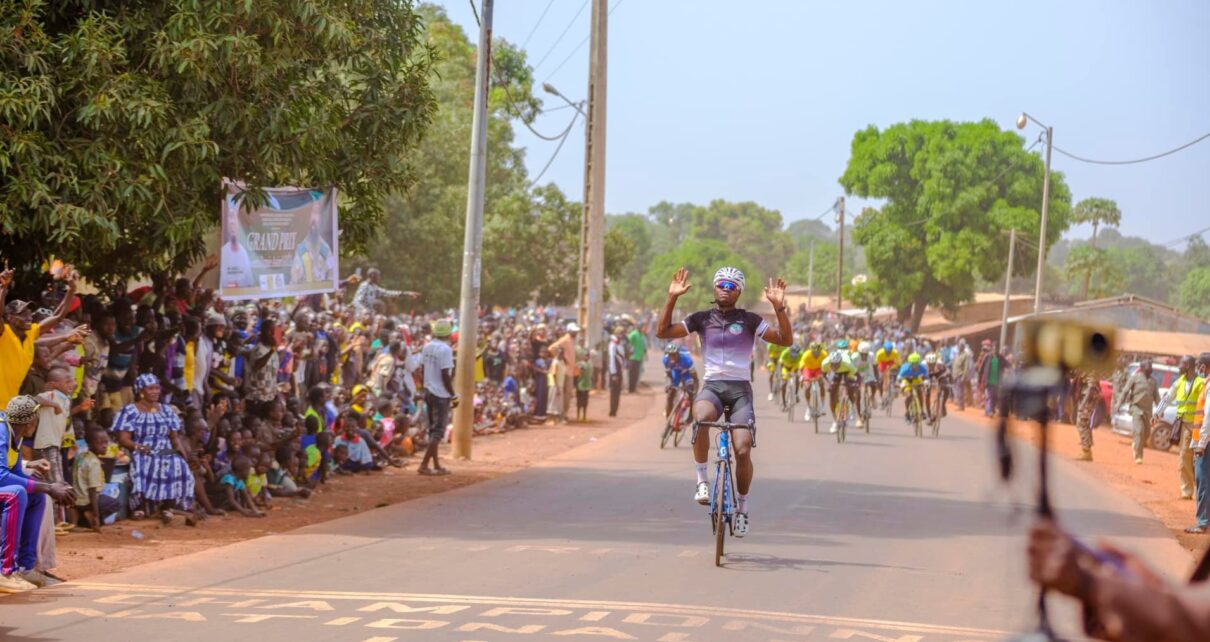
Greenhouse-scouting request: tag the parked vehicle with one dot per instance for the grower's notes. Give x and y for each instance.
(1164, 377)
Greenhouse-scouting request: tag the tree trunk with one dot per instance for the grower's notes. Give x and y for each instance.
(1088, 274)
(918, 307)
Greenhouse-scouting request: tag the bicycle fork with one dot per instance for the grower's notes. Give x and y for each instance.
(720, 498)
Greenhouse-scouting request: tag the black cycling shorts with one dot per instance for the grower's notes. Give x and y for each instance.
(731, 400)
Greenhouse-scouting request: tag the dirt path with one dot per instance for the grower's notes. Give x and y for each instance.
(130, 543)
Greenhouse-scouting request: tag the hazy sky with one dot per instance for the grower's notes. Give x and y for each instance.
(759, 100)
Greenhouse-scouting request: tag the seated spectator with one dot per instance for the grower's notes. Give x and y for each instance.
(94, 507)
(235, 489)
(358, 456)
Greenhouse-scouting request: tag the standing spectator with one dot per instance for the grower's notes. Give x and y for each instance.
(1184, 392)
(565, 349)
(990, 375)
(19, 334)
(583, 384)
(260, 386)
(985, 353)
(437, 364)
(962, 372)
(1201, 461)
(1118, 383)
(368, 294)
(1140, 393)
(541, 388)
(22, 500)
(617, 366)
(638, 352)
(1089, 390)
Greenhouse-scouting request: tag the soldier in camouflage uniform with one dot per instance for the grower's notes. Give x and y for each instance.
(1118, 382)
(1090, 396)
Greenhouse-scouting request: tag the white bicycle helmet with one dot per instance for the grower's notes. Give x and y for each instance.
(835, 358)
(931, 358)
(730, 274)
(863, 347)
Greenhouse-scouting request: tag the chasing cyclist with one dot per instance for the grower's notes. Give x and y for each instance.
(863, 361)
(838, 367)
(728, 337)
(911, 378)
(811, 366)
(887, 359)
(775, 352)
(788, 365)
(939, 383)
(678, 370)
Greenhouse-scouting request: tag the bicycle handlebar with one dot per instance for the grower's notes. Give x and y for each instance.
(724, 425)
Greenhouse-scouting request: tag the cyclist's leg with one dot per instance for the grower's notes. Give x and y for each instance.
(740, 400)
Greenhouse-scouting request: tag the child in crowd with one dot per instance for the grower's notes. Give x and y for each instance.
(89, 480)
(358, 456)
(235, 489)
(258, 483)
(583, 384)
(281, 475)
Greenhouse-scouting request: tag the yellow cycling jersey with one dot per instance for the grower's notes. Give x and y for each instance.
(810, 361)
(884, 357)
(788, 363)
(775, 352)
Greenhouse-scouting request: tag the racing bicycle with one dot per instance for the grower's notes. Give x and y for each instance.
(723, 501)
(681, 416)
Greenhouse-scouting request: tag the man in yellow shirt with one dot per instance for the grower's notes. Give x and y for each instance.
(19, 334)
(1184, 393)
(1201, 462)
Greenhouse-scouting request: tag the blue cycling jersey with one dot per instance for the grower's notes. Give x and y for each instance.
(681, 369)
(913, 371)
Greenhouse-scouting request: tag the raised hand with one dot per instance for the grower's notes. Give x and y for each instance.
(775, 292)
(6, 277)
(680, 283)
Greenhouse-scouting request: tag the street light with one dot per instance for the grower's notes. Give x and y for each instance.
(1023, 120)
(550, 89)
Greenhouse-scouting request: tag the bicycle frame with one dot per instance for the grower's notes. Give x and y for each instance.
(723, 501)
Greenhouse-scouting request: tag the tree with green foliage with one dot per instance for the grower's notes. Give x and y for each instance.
(866, 295)
(1195, 293)
(951, 191)
(1086, 260)
(702, 257)
(1145, 271)
(638, 232)
(121, 119)
(1097, 212)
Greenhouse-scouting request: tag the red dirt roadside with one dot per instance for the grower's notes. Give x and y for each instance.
(1155, 483)
(83, 553)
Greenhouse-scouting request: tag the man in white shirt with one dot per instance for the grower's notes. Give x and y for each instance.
(617, 362)
(437, 364)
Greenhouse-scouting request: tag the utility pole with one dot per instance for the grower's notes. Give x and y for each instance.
(1050, 139)
(840, 254)
(472, 245)
(592, 229)
(1008, 277)
(811, 275)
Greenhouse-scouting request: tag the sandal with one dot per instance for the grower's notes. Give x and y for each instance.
(425, 471)
(166, 517)
(441, 471)
(1196, 530)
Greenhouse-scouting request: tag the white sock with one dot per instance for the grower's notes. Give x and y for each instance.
(743, 503)
(701, 473)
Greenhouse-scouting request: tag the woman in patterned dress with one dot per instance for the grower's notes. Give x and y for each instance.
(159, 470)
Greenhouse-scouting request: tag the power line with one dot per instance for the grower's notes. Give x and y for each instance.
(537, 24)
(562, 139)
(577, 48)
(561, 35)
(1133, 161)
(1187, 237)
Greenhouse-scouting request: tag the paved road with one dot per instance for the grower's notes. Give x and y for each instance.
(887, 537)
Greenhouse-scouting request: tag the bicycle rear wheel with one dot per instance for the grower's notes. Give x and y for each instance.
(936, 421)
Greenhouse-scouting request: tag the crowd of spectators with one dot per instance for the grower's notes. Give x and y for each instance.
(169, 402)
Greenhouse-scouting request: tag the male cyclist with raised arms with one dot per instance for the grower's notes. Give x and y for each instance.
(678, 369)
(840, 371)
(775, 352)
(728, 335)
(811, 366)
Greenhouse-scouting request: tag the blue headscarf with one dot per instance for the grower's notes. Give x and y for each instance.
(144, 380)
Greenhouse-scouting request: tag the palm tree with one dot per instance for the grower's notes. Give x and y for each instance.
(1098, 211)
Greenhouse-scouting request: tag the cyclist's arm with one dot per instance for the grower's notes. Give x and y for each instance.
(783, 334)
(665, 329)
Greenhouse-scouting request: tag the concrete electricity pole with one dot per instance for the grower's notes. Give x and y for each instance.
(811, 275)
(472, 245)
(1008, 278)
(840, 253)
(592, 232)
